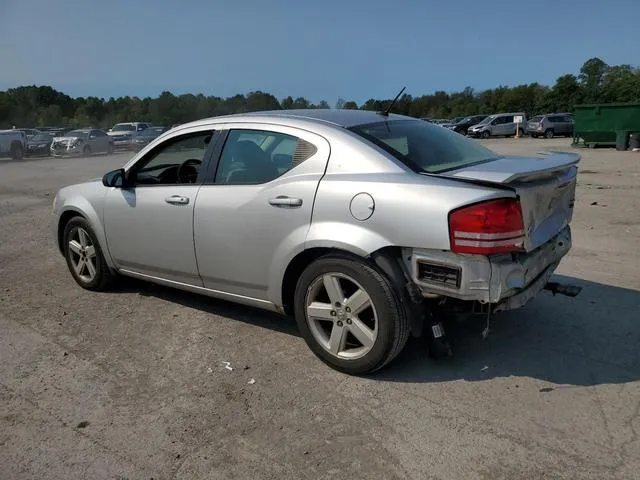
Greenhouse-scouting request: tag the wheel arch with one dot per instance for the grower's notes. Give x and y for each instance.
(387, 260)
(91, 216)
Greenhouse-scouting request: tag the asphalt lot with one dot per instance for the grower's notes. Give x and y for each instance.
(131, 384)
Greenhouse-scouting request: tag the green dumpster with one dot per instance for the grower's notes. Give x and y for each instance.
(605, 124)
(622, 139)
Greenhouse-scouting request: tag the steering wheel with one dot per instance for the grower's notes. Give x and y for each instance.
(187, 172)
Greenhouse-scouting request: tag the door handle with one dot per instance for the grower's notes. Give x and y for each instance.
(177, 200)
(285, 202)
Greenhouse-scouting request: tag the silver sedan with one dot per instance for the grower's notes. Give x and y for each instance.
(83, 141)
(367, 227)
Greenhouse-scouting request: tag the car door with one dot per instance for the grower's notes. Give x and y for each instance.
(508, 126)
(149, 224)
(497, 126)
(256, 210)
(96, 142)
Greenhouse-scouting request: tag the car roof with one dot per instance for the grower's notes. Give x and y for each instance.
(337, 117)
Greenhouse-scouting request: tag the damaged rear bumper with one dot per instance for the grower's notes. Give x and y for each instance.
(507, 281)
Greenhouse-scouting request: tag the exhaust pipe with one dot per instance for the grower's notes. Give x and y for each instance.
(563, 289)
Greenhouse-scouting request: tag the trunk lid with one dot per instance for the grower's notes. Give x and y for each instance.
(545, 185)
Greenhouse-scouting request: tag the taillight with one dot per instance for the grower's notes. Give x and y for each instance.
(485, 228)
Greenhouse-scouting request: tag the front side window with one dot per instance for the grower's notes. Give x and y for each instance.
(175, 161)
(423, 147)
(252, 157)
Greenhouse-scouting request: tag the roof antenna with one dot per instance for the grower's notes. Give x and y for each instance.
(386, 112)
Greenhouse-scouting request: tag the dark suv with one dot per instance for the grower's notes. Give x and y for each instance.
(463, 125)
(551, 125)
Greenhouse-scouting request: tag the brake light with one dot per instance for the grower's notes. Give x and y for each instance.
(486, 228)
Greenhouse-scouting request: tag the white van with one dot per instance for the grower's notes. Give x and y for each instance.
(500, 124)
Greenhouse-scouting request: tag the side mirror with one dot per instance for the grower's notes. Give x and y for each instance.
(114, 178)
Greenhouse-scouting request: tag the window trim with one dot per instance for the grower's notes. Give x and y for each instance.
(215, 140)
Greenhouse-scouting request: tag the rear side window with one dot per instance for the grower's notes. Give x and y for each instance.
(253, 157)
(423, 147)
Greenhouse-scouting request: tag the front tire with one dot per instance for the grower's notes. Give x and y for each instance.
(84, 256)
(486, 134)
(349, 315)
(86, 151)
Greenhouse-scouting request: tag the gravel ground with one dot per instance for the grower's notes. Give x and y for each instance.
(131, 384)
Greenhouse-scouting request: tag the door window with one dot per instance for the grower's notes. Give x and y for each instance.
(175, 161)
(252, 157)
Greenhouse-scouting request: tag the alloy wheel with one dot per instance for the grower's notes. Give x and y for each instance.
(341, 316)
(82, 253)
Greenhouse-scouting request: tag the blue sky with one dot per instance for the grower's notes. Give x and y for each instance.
(354, 49)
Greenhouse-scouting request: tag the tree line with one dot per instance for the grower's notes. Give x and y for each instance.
(596, 82)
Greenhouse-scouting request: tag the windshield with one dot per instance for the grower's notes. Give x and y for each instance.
(486, 120)
(123, 127)
(42, 137)
(423, 147)
(76, 133)
(151, 132)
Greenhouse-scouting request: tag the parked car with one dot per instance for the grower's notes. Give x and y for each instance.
(84, 141)
(39, 144)
(29, 132)
(550, 125)
(501, 124)
(124, 134)
(143, 138)
(463, 125)
(300, 212)
(13, 143)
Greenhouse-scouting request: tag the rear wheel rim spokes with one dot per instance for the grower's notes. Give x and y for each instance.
(341, 316)
(82, 254)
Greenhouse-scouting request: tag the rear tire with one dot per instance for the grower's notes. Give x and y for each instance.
(367, 308)
(520, 132)
(109, 149)
(548, 133)
(17, 152)
(84, 256)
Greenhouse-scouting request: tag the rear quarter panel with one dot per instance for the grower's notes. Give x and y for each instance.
(410, 210)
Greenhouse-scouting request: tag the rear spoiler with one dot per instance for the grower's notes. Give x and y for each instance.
(509, 169)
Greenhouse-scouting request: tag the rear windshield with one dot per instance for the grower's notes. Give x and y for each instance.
(537, 118)
(424, 147)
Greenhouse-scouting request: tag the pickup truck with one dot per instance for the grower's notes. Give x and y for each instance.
(13, 143)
